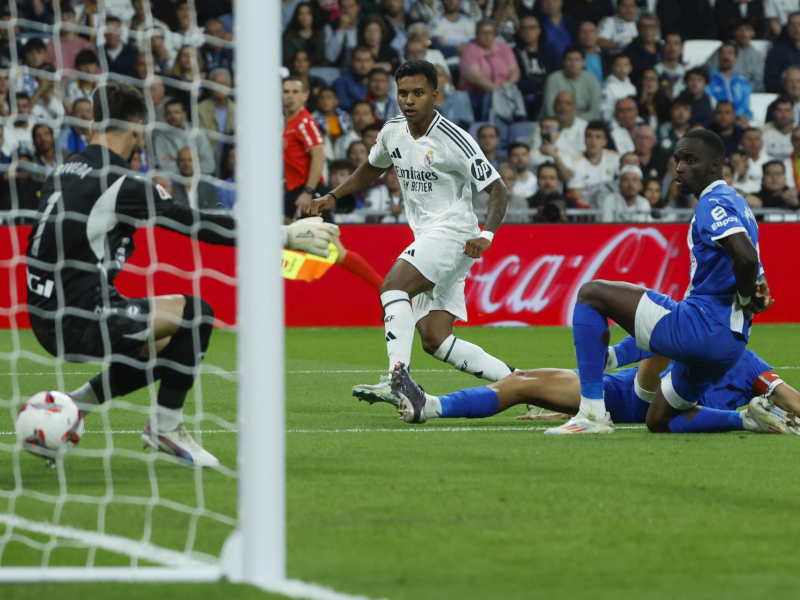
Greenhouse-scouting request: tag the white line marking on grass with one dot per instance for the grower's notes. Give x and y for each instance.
(295, 588)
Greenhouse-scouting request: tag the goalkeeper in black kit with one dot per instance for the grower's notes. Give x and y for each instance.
(89, 210)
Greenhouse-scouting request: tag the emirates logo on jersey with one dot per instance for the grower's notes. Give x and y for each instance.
(429, 158)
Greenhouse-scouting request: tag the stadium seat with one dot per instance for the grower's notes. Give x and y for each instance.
(697, 52)
(521, 131)
(327, 74)
(763, 46)
(759, 103)
(502, 130)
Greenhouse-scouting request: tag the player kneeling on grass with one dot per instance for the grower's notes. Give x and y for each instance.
(772, 405)
(89, 213)
(437, 164)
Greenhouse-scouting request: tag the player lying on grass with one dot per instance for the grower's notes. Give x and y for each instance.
(772, 405)
(437, 163)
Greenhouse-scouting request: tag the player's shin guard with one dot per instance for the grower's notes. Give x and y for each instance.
(398, 321)
(708, 420)
(471, 359)
(588, 330)
(474, 403)
(626, 353)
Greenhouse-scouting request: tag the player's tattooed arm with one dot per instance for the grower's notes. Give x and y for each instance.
(496, 210)
(363, 176)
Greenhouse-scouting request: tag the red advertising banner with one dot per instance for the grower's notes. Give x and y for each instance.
(530, 276)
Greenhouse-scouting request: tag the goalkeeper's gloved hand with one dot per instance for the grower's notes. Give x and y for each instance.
(311, 235)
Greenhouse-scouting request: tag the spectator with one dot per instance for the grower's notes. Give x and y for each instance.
(158, 94)
(739, 166)
(300, 68)
(226, 196)
(162, 55)
(45, 147)
(671, 70)
(726, 84)
(651, 161)
(369, 135)
(304, 33)
(753, 147)
(184, 27)
(623, 126)
(217, 115)
(726, 127)
(692, 19)
(617, 85)
(592, 54)
(332, 120)
(703, 104)
(453, 30)
(750, 64)
(388, 197)
(341, 34)
(519, 156)
(645, 50)
(792, 163)
(653, 100)
(571, 129)
(169, 142)
(214, 55)
(5, 99)
(535, 61)
(777, 14)
(383, 104)
(791, 87)
(652, 191)
(559, 31)
(516, 201)
(671, 131)
(618, 31)
(361, 116)
(594, 167)
(46, 103)
(583, 87)
(774, 192)
(120, 57)
(83, 87)
(785, 53)
(486, 65)
(394, 13)
(35, 55)
(373, 34)
(73, 138)
(627, 205)
(418, 47)
(357, 153)
(339, 171)
(451, 103)
(426, 11)
(550, 203)
(69, 42)
(489, 141)
(550, 148)
(352, 85)
(729, 13)
(143, 21)
(187, 191)
(189, 65)
(18, 138)
(591, 11)
(777, 134)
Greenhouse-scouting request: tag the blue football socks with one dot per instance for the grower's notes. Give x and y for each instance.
(628, 352)
(708, 420)
(588, 327)
(473, 403)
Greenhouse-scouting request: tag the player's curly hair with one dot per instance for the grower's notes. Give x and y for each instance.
(124, 103)
(418, 67)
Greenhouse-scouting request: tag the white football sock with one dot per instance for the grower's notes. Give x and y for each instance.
(642, 393)
(593, 408)
(85, 398)
(433, 408)
(472, 359)
(398, 321)
(611, 359)
(168, 419)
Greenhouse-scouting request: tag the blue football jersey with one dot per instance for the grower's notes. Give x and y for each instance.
(720, 212)
(737, 388)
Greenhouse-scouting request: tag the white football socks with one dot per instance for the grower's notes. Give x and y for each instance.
(85, 398)
(432, 408)
(168, 419)
(472, 359)
(593, 408)
(398, 321)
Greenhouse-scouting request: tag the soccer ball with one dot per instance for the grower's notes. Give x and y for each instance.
(49, 424)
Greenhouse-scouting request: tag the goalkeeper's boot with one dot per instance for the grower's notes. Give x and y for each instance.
(410, 394)
(179, 444)
(768, 418)
(382, 392)
(582, 424)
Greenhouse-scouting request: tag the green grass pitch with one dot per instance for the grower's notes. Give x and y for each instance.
(466, 509)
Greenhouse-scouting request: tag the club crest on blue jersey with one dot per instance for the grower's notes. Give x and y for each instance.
(429, 157)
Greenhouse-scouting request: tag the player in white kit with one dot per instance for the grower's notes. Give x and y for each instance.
(436, 163)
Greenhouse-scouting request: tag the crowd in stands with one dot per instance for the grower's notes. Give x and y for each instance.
(577, 103)
(53, 55)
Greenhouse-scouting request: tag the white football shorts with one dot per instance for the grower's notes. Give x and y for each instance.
(439, 256)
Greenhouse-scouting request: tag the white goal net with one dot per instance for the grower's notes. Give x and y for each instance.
(112, 509)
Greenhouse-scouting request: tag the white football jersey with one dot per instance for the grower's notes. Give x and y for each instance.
(436, 172)
(590, 178)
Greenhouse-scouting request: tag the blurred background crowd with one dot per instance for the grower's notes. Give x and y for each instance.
(577, 103)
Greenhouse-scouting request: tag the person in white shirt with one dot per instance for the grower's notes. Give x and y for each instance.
(671, 70)
(388, 196)
(753, 147)
(550, 149)
(616, 86)
(46, 104)
(525, 184)
(777, 14)
(419, 33)
(626, 119)
(19, 137)
(453, 29)
(627, 205)
(595, 167)
(571, 129)
(618, 31)
(517, 201)
(777, 134)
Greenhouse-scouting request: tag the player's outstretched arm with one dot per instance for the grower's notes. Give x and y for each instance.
(496, 210)
(745, 268)
(363, 176)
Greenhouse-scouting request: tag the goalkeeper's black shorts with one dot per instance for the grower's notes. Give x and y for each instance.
(116, 325)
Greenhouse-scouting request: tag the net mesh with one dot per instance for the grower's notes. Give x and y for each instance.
(109, 502)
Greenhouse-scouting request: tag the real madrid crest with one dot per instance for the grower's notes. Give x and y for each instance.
(429, 158)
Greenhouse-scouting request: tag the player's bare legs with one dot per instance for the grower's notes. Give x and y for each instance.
(167, 312)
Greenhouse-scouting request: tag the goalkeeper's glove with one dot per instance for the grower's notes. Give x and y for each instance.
(311, 235)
